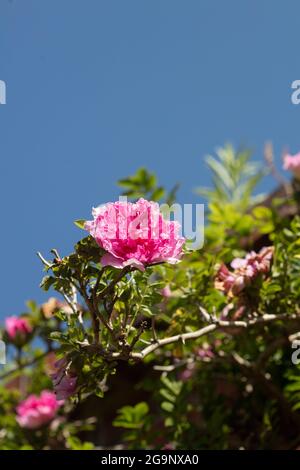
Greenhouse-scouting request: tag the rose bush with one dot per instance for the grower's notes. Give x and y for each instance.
(165, 354)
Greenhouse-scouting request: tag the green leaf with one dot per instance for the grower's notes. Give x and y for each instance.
(167, 406)
(132, 417)
(167, 395)
(47, 282)
(157, 194)
(80, 223)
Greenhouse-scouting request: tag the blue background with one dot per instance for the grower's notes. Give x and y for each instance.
(97, 88)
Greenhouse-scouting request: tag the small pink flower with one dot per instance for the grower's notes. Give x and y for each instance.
(48, 308)
(188, 372)
(258, 262)
(17, 327)
(36, 411)
(64, 380)
(234, 312)
(238, 263)
(205, 352)
(166, 292)
(168, 446)
(292, 163)
(135, 234)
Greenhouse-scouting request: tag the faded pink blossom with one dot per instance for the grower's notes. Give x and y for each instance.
(224, 279)
(292, 163)
(166, 292)
(256, 263)
(188, 372)
(64, 380)
(48, 308)
(135, 234)
(205, 352)
(168, 446)
(238, 263)
(17, 327)
(244, 271)
(36, 411)
(239, 312)
(234, 314)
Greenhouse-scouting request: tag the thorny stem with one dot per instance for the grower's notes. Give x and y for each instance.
(217, 325)
(154, 335)
(43, 260)
(92, 303)
(126, 315)
(93, 312)
(97, 283)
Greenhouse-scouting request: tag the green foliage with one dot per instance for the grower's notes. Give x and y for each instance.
(135, 419)
(144, 184)
(234, 178)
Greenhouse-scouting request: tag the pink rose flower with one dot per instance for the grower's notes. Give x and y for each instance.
(17, 327)
(292, 163)
(244, 271)
(36, 411)
(135, 234)
(64, 380)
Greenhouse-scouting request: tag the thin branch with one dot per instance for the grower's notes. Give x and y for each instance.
(141, 330)
(126, 315)
(204, 313)
(24, 365)
(217, 325)
(43, 260)
(154, 335)
(69, 301)
(56, 254)
(93, 312)
(95, 288)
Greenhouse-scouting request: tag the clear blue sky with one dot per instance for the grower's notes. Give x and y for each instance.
(97, 88)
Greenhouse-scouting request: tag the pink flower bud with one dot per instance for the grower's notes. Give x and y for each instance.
(17, 327)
